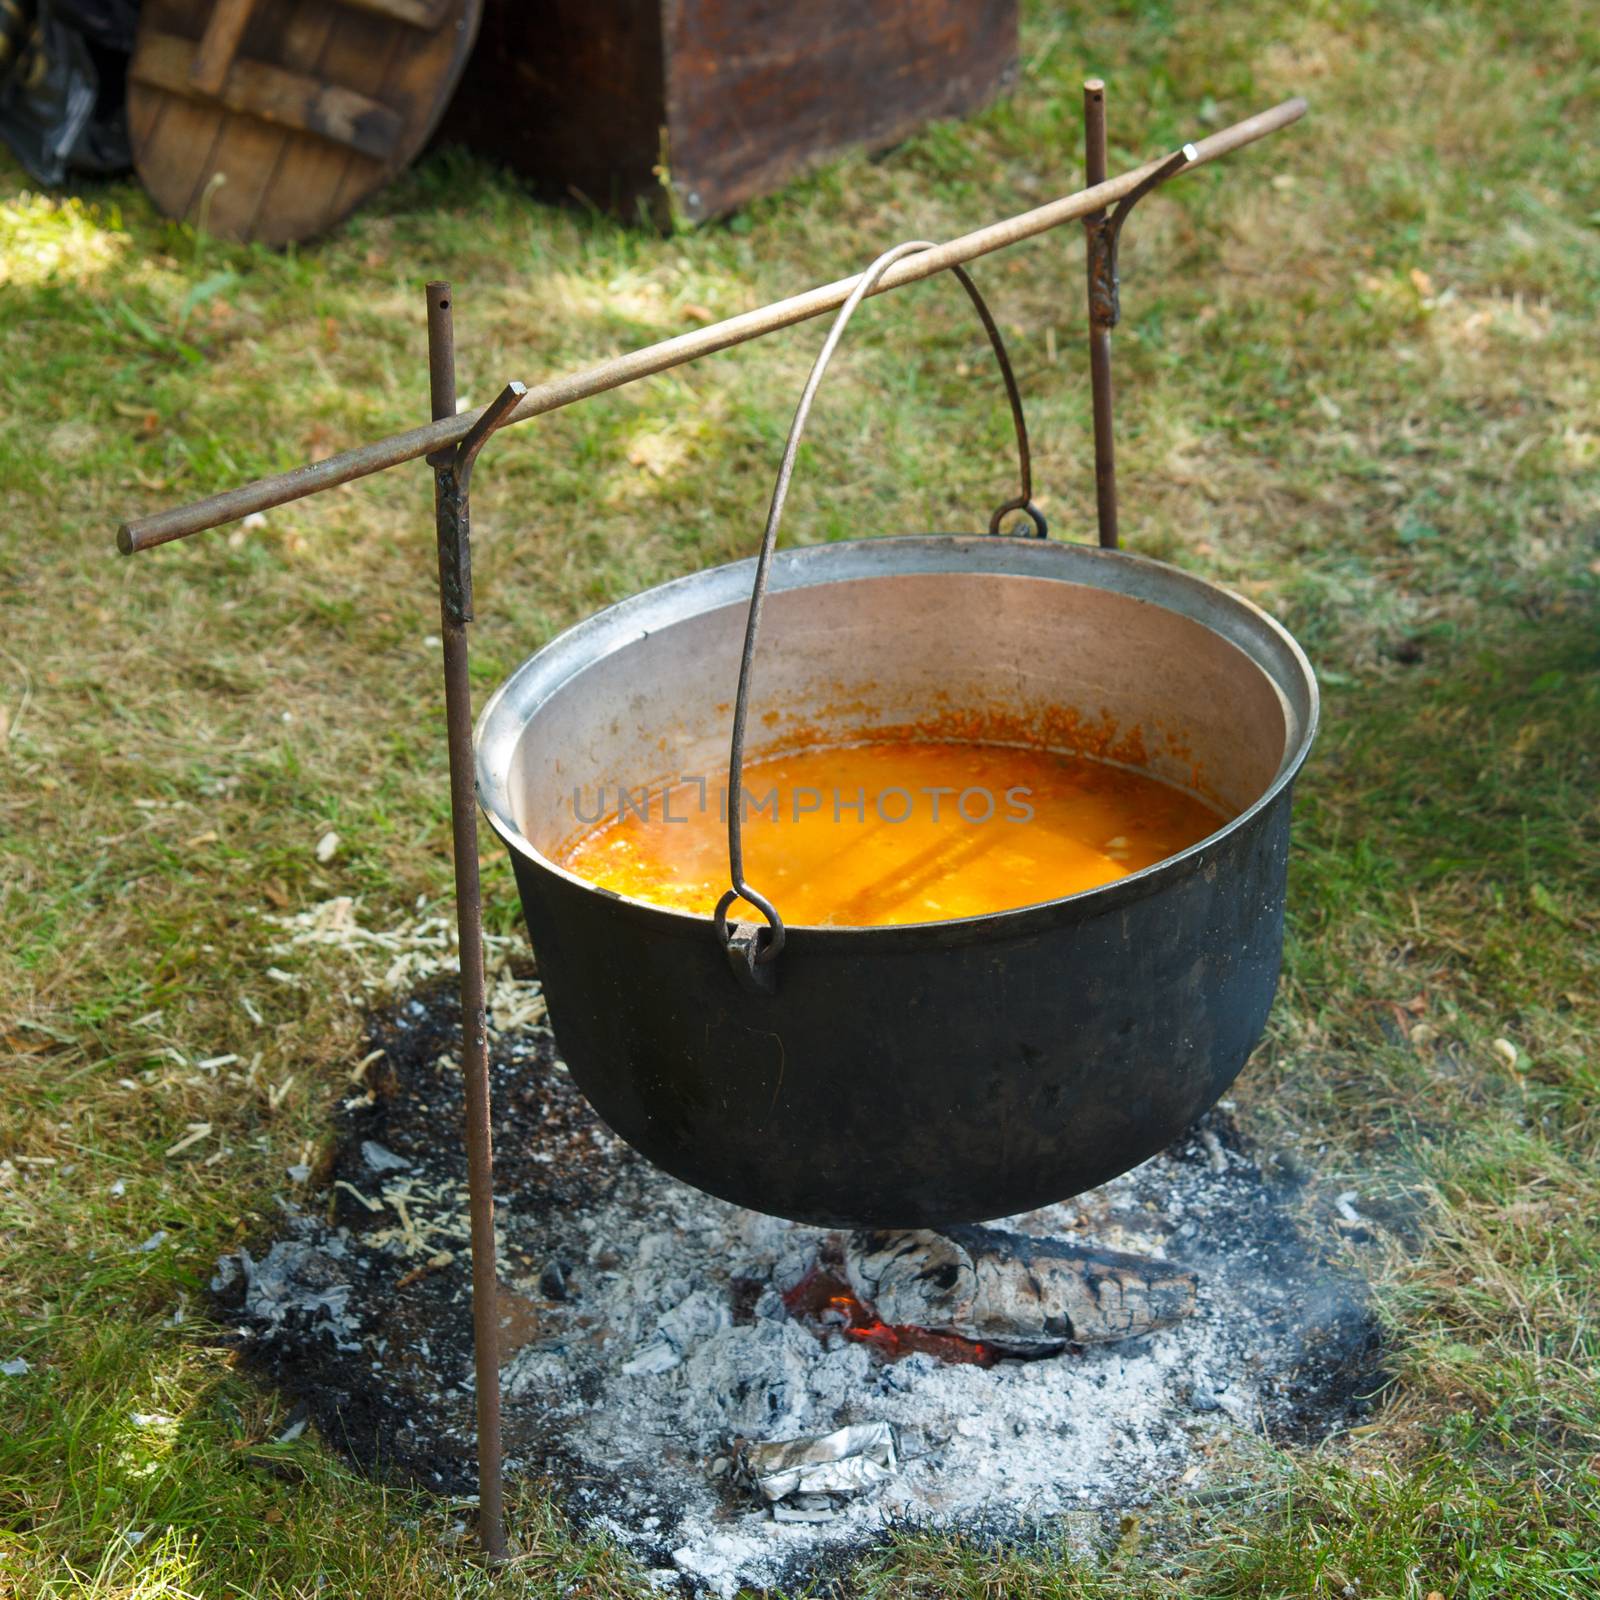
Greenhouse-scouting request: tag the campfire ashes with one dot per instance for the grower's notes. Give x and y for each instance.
(744, 1401)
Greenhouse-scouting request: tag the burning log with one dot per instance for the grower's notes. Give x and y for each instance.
(1015, 1294)
(824, 1301)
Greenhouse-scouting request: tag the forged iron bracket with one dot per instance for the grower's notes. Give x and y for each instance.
(1104, 231)
(452, 471)
(455, 545)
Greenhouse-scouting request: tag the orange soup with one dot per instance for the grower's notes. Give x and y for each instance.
(869, 834)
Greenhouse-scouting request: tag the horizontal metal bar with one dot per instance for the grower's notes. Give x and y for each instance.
(145, 532)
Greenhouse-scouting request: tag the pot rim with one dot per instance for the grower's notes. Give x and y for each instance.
(500, 723)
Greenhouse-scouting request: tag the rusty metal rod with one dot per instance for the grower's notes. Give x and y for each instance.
(1105, 450)
(455, 612)
(144, 532)
(1102, 231)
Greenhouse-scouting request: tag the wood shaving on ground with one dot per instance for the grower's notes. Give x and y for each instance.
(420, 1233)
(416, 949)
(435, 1263)
(350, 1188)
(197, 1132)
(513, 1004)
(358, 1073)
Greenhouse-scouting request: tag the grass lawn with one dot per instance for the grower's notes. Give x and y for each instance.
(1360, 382)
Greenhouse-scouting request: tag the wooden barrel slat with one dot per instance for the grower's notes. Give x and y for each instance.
(416, 13)
(292, 100)
(318, 106)
(246, 149)
(386, 63)
(213, 57)
(297, 200)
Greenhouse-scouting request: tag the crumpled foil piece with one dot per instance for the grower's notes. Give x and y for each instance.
(845, 1462)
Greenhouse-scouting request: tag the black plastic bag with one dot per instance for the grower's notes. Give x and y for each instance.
(63, 85)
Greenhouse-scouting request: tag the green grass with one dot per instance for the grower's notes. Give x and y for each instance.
(1357, 382)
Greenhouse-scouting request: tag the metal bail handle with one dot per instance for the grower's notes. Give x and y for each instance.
(752, 948)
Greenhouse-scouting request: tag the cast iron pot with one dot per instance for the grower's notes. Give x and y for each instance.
(939, 1072)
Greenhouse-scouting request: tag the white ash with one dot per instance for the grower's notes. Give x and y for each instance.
(294, 1282)
(670, 1383)
(647, 1346)
(378, 1159)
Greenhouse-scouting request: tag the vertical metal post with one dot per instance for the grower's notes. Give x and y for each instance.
(455, 612)
(1101, 243)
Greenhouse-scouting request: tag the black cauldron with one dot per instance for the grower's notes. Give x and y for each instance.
(937, 1072)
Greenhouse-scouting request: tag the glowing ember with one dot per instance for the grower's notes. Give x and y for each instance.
(822, 1299)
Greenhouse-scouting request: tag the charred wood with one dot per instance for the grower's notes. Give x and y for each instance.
(1021, 1295)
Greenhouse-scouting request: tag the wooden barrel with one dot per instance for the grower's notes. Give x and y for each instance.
(272, 120)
